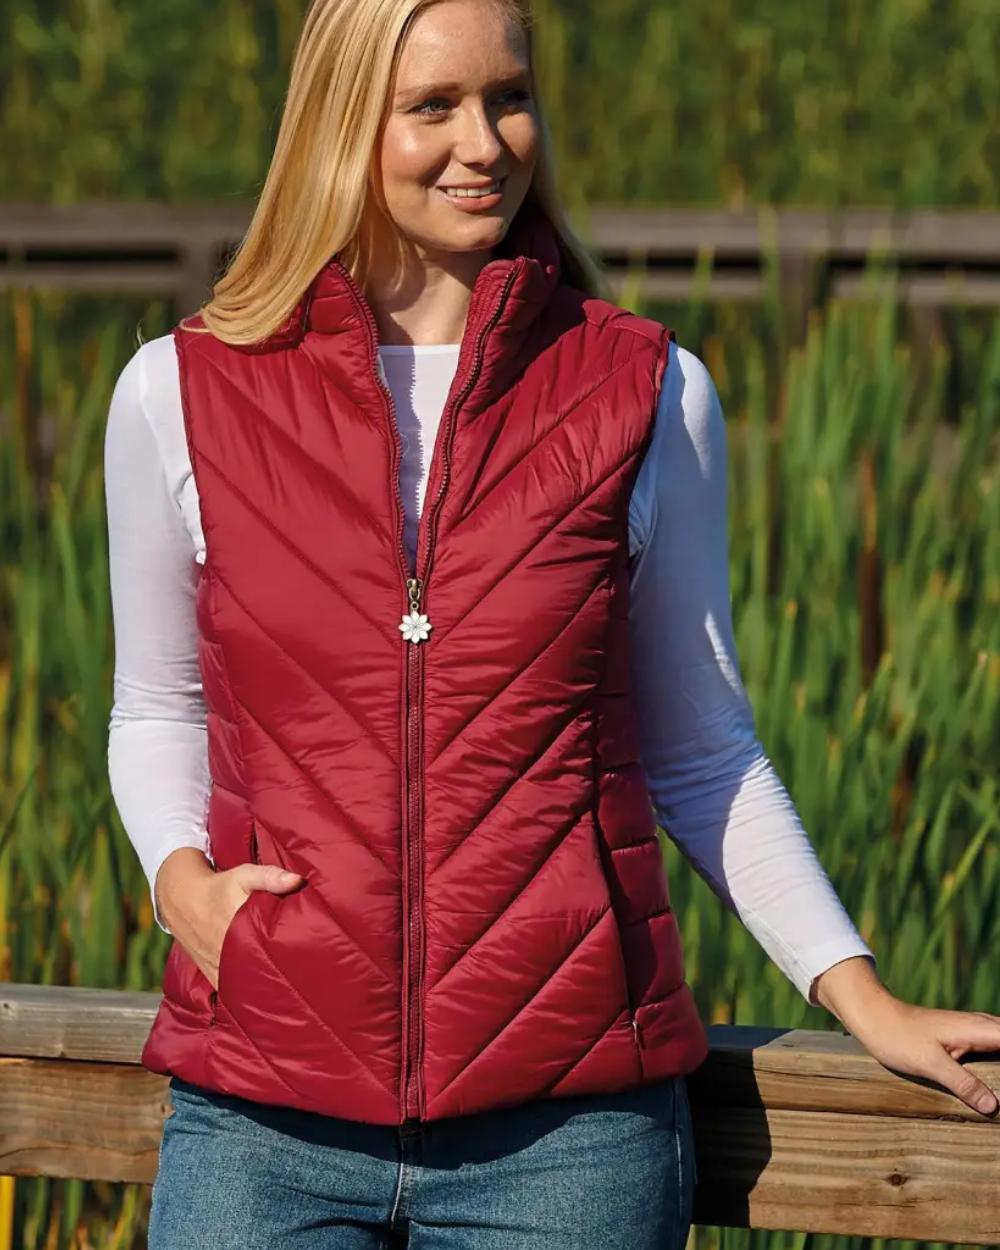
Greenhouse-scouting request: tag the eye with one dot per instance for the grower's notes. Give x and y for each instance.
(424, 108)
(519, 94)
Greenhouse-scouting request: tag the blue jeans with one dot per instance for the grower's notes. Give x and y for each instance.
(587, 1172)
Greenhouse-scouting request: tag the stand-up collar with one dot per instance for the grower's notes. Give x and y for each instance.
(512, 287)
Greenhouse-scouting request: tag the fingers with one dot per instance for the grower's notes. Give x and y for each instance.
(970, 1030)
(269, 877)
(961, 1082)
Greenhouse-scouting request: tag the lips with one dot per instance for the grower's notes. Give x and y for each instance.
(473, 186)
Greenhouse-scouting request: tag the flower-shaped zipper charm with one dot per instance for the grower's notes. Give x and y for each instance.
(415, 626)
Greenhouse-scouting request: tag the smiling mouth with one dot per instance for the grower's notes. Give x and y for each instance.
(474, 193)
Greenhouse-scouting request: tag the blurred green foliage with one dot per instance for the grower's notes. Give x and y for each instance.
(723, 102)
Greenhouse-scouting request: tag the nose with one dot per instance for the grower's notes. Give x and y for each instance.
(477, 141)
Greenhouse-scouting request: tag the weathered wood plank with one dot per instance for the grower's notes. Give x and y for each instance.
(102, 276)
(863, 1175)
(948, 233)
(916, 232)
(794, 1128)
(801, 1129)
(826, 1071)
(71, 1118)
(760, 1164)
(175, 249)
(73, 1022)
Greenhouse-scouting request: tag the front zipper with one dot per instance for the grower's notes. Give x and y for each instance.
(414, 586)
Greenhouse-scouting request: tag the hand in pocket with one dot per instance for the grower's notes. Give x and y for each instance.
(203, 904)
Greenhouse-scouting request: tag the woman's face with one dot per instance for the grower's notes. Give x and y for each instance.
(461, 113)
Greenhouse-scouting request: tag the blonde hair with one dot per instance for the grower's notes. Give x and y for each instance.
(312, 203)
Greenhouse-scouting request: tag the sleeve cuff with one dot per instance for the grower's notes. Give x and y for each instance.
(199, 843)
(815, 962)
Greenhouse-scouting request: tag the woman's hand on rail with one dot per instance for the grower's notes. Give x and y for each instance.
(908, 1038)
(929, 1041)
(198, 902)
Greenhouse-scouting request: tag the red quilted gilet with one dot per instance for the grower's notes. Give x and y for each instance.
(484, 917)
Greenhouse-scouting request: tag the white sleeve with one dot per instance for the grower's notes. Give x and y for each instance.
(714, 790)
(157, 738)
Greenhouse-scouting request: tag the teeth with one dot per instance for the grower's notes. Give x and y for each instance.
(466, 193)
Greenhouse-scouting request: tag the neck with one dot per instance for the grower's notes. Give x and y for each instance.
(420, 297)
(421, 311)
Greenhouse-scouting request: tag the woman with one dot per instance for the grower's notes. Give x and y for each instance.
(426, 980)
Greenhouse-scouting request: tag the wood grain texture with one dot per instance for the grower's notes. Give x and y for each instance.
(794, 1128)
(95, 1121)
(70, 1022)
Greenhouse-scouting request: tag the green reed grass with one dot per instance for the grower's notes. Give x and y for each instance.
(726, 101)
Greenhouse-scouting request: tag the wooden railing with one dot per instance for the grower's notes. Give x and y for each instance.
(944, 257)
(794, 1129)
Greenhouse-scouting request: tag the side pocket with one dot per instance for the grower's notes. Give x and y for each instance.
(238, 915)
(223, 994)
(254, 847)
(633, 1018)
(601, 860)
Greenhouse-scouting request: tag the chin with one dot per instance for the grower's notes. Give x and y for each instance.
(469, 240)
(489, 229)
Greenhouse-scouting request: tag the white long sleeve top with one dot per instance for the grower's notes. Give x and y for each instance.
(714, 790)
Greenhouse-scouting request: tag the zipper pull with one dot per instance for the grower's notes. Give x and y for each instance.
(415, 626)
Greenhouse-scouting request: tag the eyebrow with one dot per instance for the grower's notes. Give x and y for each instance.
(428, 89)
